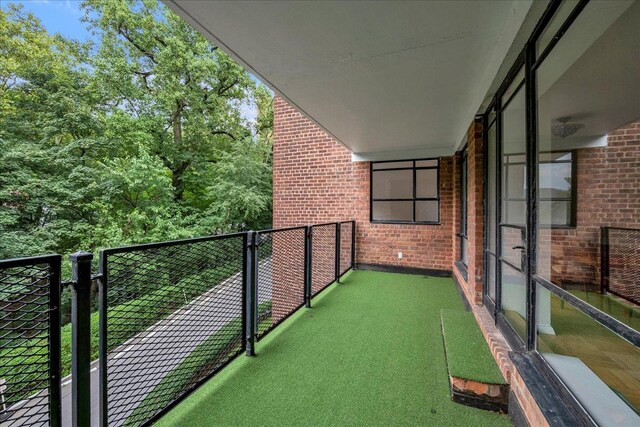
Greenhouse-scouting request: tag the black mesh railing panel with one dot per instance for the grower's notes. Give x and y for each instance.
(174, 317)
(346, 228)
(29, 312)
(323, 256)
(280, 276)
(624, 259)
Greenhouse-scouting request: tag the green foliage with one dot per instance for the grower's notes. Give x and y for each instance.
(142, 312)
(134, 137)
(205, 357)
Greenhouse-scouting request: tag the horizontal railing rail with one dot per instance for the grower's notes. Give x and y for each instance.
(171, 315)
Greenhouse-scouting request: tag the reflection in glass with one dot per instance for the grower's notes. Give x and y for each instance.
(602, 103)
(427, 210)
(513, 169)
(514, 299)
(426, 183)
(395, 184)
(393, 211)
(491, 187)
(554, 25)
(601, 369)
(491, 276)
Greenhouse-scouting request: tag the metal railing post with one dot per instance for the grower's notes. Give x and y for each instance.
(307, 265)
(338, 242)
(55, 397)
(81, 338)
(353, 244)
(250, 291)
(102, 342)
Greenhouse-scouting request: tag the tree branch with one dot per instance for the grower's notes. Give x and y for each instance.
(223, 132)
(224, 89)
(124, 32)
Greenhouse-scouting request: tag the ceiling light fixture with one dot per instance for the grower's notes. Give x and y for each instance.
(564, 129)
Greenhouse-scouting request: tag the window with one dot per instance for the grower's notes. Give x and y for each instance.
(405, 191)
(463, 210)
(556, 189)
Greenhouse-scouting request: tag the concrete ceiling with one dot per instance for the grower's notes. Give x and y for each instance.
(389, 80)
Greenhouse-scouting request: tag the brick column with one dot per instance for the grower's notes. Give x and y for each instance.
(475, 206)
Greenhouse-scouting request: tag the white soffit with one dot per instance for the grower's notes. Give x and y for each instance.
(389, 80)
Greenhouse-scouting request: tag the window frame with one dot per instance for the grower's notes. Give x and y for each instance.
(413, 199)
(572, 199)
(531, 59)
(464, 207)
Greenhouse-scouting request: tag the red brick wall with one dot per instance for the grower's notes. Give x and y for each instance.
(608, 181)
(475, 214)
(313, 178)
(315, 181)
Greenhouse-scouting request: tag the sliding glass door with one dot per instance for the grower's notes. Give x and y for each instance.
(513, 207)
(563, 226)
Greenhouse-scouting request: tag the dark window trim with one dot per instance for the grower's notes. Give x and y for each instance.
(531, 63)
(464, 194)
(413, 199)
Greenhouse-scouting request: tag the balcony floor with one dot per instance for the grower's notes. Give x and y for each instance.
(369, 352)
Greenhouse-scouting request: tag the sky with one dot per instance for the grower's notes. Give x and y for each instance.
(63, 16)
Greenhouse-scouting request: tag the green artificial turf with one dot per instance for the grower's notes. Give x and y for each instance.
(369, 352)
(468, 355)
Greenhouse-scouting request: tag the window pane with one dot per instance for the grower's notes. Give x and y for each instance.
(555, 157)
(513, 86)
(463, 196)
(392, 165)
(554, 25)
(513, 175)
(393, 184)
(491, 187)
(601, 369)
(592, 112)
(427, 210)
(426, 183)
(425, 163)
(554, 181)
(515, 181)
(514, 212)
(491, 267)
(512, 243)
(514, 299)
(555, 212)
(392, 211)
(464, 249)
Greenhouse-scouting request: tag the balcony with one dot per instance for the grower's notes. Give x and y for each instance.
(330, 343)
(369, 352)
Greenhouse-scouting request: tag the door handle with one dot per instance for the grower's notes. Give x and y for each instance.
(522, 248)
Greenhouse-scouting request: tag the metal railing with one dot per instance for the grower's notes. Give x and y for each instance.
(171, 315)
(30, 341)
(619, 260)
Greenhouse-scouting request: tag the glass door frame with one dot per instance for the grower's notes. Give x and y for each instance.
(496, 106)
(530, 60)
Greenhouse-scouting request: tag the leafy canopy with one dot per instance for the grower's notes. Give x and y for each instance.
(136, 136)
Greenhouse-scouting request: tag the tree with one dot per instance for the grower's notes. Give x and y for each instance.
(184, 90)
(134, 137)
